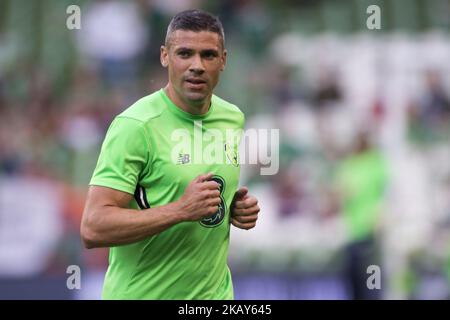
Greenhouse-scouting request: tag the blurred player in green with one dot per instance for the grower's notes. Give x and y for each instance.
(362, 179)
(156, 198)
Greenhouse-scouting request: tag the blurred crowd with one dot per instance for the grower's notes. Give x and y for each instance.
(364, 122)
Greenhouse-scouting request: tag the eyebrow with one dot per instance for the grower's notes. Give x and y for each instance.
(214, 51)
(211, 51)
(183, 49)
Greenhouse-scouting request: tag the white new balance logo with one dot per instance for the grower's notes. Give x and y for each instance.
(183, 158)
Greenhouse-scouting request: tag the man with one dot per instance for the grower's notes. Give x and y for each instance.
(361, 181)
(167, 220)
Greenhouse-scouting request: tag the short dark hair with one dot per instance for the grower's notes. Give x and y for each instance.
(195, 20)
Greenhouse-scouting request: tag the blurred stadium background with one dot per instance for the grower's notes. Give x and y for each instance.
(364, 119)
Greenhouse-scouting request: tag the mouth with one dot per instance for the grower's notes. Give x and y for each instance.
(196, 83)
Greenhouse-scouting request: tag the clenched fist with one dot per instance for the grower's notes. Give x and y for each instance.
(201, 198)
(244, 210)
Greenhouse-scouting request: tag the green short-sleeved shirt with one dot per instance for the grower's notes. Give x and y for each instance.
(149, 151)
(362, 179)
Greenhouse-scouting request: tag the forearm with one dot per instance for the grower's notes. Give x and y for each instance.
(110, 226)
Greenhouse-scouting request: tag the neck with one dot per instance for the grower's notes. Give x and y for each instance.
(192, 107)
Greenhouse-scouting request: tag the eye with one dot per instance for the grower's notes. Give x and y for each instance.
(209, 55)
(184, 54)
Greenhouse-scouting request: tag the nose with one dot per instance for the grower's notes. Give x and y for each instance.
(197, 65)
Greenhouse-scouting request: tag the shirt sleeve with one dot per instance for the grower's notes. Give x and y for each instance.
(123, 156)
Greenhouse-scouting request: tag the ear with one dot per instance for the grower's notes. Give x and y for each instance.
(224, 60)
(164, 56)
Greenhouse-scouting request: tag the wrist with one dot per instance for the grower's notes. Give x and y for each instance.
(177, 211)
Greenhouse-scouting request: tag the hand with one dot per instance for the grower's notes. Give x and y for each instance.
(244, 210)
(200, 200)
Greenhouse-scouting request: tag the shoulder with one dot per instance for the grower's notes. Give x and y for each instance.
(132, 122)
(145, 109)
(228, 108)
(225, 105)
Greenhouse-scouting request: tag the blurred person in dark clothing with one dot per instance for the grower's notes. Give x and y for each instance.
(328, 92)
(429, 116)
(435, 103)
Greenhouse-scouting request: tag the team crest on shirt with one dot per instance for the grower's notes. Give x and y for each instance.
(219, 216)
(232, 154)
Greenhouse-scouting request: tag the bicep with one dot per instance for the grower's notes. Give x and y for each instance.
(99, 196)
(100, 216)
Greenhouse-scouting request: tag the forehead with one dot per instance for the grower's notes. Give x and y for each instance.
(195, 40)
